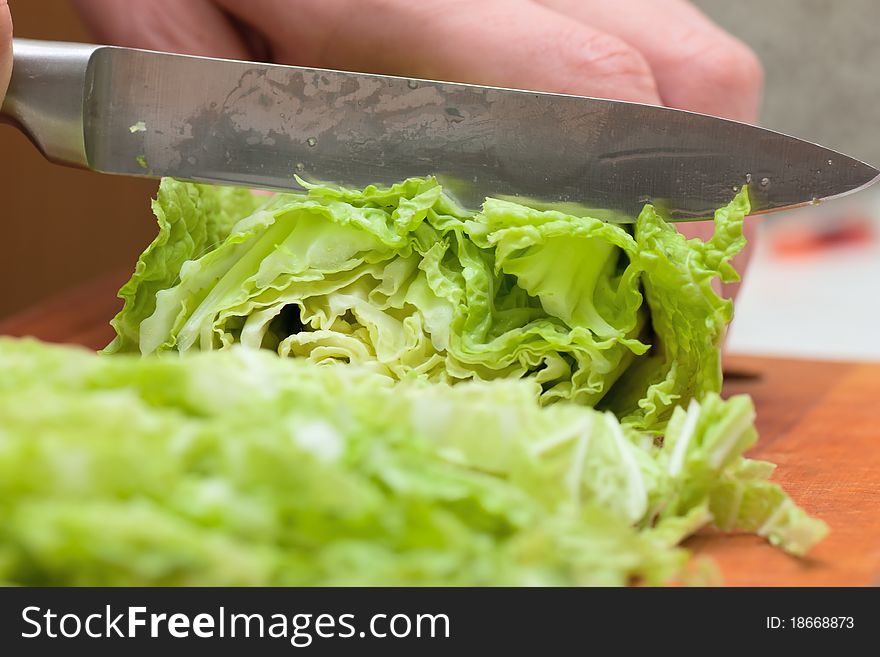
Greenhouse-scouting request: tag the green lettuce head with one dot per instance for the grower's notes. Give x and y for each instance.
(406, 283)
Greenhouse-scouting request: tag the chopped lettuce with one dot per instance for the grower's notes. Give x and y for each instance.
(404, 282)
(241, 468)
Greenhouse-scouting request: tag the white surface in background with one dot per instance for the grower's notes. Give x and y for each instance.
(825, 305)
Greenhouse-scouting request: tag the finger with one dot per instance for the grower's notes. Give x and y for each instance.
(697, 65)
(511, 43)
(5, 47)
(191, 27)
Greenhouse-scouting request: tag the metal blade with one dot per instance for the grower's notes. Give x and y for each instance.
(260, 125)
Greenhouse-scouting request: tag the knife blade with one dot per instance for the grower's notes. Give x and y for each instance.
(142, 113)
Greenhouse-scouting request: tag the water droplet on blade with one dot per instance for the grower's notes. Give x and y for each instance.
(765, 182)
(412, 84)
(748, 179)
(311, 141)
(830, 162)
(300, 167)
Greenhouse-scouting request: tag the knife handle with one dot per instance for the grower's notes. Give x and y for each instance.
(47, 94)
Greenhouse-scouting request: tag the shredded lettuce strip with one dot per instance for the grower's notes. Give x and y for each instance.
(404, 282)
(241, 468)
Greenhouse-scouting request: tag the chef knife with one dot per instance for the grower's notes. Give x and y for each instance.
(141, 113)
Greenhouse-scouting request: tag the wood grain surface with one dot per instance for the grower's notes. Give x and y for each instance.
(818, 421)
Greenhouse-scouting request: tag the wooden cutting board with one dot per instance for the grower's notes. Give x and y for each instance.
(818, 421)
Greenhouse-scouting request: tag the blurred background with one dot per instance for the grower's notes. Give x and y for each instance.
(811, 290)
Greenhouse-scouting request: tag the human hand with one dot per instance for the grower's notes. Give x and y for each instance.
(652, 51)
(5, 47)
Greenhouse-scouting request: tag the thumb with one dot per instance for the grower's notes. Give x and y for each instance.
(5, 47)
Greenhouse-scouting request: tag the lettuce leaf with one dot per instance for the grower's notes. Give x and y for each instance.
(241, 468)
(406, 283)
(193, 219)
